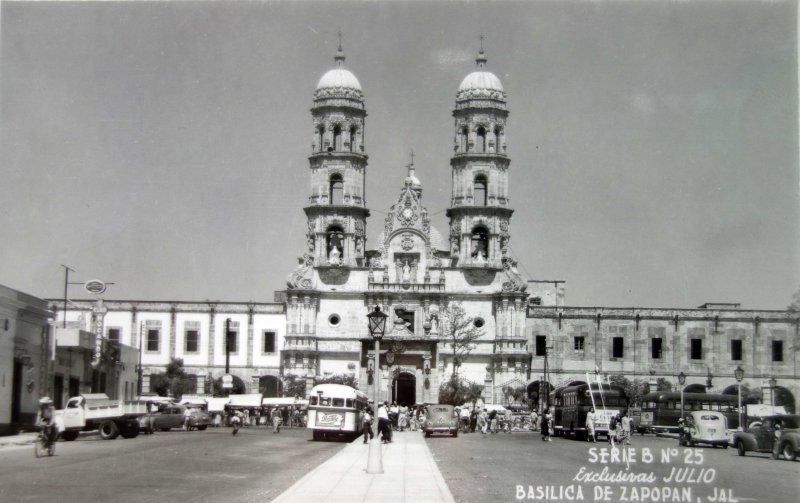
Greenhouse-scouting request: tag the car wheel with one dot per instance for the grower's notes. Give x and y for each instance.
(427, 434)
(455, 433)
(69, 436)
(203, 427)
(740, 448)
(789, 452)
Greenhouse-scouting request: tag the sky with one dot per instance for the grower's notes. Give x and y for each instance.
(163, 146)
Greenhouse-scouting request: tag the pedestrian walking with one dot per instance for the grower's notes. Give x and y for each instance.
(546, 427)
(187, 418)
(384, 424)
(627, 428)
(368, 434)
(277, 419)
(590, 418)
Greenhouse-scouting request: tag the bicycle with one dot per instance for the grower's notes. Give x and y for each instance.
(44, 445)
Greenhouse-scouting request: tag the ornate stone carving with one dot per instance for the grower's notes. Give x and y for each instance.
(303, 277)
(407, 242)
(513, 280)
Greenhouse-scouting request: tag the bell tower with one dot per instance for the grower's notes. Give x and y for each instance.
(336, 208)
(479, 209)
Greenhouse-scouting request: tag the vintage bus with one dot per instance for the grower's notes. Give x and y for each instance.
(335, 410)
(571, 404)
(662, 409)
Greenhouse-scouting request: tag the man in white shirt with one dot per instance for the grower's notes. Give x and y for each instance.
(384, 425)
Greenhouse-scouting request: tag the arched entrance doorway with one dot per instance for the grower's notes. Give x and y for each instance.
(404, 389)
(269, 386)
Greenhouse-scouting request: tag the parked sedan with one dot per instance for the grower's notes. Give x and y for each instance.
(708, 427)
(172, 416)
(440, 418)
(773, 434)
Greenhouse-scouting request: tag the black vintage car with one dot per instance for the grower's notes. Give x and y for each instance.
(778, 434)
(172, 416)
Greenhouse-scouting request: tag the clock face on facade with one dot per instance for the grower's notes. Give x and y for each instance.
(408, 213)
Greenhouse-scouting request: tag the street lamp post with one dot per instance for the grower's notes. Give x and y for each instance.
(772, 383)
(681, 382)
(739, 374)
(377, 327)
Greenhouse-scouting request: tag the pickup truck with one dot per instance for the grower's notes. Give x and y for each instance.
(95, 411)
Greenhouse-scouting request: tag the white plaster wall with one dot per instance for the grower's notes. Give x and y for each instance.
(352, 313)
(271, 323)
(121, 320)
(160, 357)
(239, 358)
(200, 357)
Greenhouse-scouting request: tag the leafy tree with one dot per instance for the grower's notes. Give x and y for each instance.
(795, 305)
(459, 332)
(455, 391)
(452, 392)
(634, 389)
(174, 381)
(346, 379)
(294, 385)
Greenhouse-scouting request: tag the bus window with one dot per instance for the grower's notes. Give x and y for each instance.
(349, 403)
(325, 400)
(338, 402)
(312, 400)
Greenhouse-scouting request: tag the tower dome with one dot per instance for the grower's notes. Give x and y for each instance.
(339, 82)
(481, 84)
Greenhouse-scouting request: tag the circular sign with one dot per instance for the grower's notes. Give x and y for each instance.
(95, 286)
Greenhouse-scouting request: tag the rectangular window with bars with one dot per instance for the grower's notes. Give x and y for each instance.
(233, 337)
(617, 347)
(191, 337)
(579, 342)
(114, 334)
(696, 349)
(657, 348)
(153, 339)
(736, 349)
(541, 345)
(777, 351)
(269, 342)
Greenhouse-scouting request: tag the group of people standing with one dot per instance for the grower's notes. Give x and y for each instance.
(620, 427)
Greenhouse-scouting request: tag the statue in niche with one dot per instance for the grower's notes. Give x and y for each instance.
(334, 256)
(434, 324)
(406, 272)
(480, 258)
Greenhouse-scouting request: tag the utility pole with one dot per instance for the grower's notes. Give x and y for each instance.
(227, 345)
(66, 285)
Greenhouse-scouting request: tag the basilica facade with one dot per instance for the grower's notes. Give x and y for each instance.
(414, 274)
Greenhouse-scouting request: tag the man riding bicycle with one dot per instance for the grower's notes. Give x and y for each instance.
(46, 419)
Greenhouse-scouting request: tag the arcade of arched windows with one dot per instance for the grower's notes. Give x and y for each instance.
(484, 139)
(338, 137)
